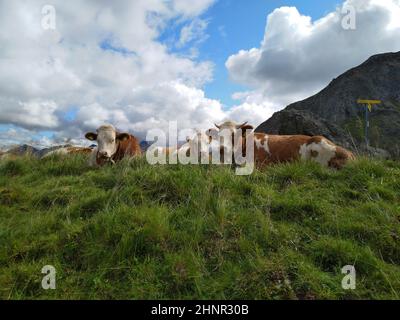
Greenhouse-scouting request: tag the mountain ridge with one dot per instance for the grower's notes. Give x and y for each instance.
(376, 78)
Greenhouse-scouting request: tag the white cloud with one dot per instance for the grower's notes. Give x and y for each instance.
(13, 137)
(253, 108)
(298, 56)
(194, 31)
(155, 106)
(104, 61)
(193, 7)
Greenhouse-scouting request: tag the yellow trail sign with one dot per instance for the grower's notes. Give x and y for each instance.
(369, 103)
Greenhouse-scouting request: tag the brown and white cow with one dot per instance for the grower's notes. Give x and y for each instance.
(112, 146)
(270, 149)
(68, 151)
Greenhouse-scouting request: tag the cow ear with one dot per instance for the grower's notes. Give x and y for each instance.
(91, 136)
(122, 136)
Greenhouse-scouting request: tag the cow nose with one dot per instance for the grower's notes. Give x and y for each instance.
(103, 154)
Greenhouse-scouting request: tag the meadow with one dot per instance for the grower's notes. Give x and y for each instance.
(135, 231)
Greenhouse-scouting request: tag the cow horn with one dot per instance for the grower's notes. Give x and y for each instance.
(219, 127)
(242, 125)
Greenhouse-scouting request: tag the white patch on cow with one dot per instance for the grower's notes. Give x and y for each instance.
(61, 151)
(325, 152)
(304, 154)
(266, 145)
(263, 144)
(259, 143)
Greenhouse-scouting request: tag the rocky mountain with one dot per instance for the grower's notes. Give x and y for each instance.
(334, 111)
(25, 149)
(22, 150)
(41, 153)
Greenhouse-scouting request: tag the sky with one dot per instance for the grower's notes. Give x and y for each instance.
(139, 64)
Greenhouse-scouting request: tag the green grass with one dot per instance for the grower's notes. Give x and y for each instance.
(135, 231)
(377, 137)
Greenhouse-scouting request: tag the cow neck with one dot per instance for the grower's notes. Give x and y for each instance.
(116, 154)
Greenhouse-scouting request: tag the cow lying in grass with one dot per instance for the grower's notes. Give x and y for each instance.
(68, 151)
(112, 146)
(270, 149)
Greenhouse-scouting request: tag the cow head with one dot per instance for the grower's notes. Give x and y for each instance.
(225, 134)
(108, 140)
(229, 128)
(232, 126)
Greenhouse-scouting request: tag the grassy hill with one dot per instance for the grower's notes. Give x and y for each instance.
(135, 231)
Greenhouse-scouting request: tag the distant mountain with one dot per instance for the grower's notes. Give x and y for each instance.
(334, 111)
(22, 150)
(25, 149)
(41, 153)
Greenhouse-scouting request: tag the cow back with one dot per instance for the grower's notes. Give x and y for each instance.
(278, 148)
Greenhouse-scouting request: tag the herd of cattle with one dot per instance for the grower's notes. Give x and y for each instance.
(113, 146)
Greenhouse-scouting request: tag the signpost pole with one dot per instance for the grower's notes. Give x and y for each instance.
(366, 126)
(368, 108)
